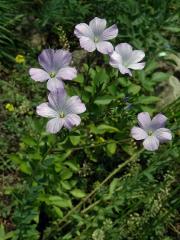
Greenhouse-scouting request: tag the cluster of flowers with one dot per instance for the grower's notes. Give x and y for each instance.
(63, 110)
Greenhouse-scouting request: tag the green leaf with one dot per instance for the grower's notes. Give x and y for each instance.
(75, 140)
(160, 76)
(172, 29)
(66, 185)
(134, 89)
(103, 128)
(77, 193)
(148, 100)
(2, 232)
(66, 174)
(28, 140)
(103, 100)
(25, 167)
(111, 148)
(58, 211)
(113, 186)
(79, 78)
(72, 165)
(59, 201)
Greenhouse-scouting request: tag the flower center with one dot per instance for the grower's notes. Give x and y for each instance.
(61, 114)
(52, 74)
(150, 132)
(96, 39)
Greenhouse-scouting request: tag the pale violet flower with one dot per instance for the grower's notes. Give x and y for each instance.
(56, 68)
(125, 58)
(62, 110)
(151, 131)
(96, 35)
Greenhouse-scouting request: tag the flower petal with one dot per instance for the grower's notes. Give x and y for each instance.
(137, 66)
(115, 59)
(110, 33)
(97, 25)
(136, 56)
(46, 59)
(104, 47)
(83, 30)
(163, 134)
(87, 44)
(53, 84)
(138, 133)
(158, 121)
(71, 120)
(124, 70)
(45, 110)
(125, 50)
(57, 99)
(144, 120)
(151, 143)
(54, 125)
(74, 105)
(67, 73)
(38, 74)
(62, 58)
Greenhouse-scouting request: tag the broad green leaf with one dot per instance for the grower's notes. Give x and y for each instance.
(2, 232)
(77, 193)
(111, 148)
(79, 78)
(148, 99)
(160, 76)
(28, 140)
(58, 211)
(134, 89)
(66, 173)
(103, 100)
(75, 140)
(25, 168)
(66, 185)
(59, 201)
(72, 165)
(103, 128)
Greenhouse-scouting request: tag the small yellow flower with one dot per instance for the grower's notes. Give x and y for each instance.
(20, 59)
(9, 107)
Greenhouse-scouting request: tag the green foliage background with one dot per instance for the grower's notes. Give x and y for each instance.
(94, 182)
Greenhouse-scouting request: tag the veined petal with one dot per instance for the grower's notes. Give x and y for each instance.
(87, 44)
(62, 58)
(97, 25)
(124, 70)
(45, 110)
(137, 66)
(57, 99)
(104, 47)
(110, 33)
(144, 120)
(83, 30)
(138, 133)
(38, 74)
(54, 125)
(74, 105)
(151, 143)
(53, 84)
(125, 50)
(163, 134)
(115, 59)
(136, 56)
(158, 121)
(46, 59)
(71, 120)
(67, 73)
